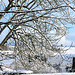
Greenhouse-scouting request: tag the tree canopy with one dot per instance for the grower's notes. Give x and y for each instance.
(35, 27)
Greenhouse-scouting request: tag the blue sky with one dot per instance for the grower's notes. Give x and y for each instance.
(3, 34)
(71, 35)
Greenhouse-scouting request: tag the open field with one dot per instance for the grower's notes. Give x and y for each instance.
(54, 74)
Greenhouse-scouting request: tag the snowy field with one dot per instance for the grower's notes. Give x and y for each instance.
(70, 54)
(54, 74)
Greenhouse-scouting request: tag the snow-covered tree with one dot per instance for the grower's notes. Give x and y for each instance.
(35, 28)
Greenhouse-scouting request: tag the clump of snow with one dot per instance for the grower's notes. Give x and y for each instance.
(8, 70)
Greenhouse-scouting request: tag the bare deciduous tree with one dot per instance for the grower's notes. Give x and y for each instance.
(36, 27)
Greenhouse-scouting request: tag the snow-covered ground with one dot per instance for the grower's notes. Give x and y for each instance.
(66, 61)
(69, 54)
(8, 70)
(54, 74)
(5, 57)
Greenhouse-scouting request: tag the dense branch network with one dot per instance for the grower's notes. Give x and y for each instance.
(35, 27)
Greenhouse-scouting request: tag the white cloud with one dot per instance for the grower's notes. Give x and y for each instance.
(65, 41)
